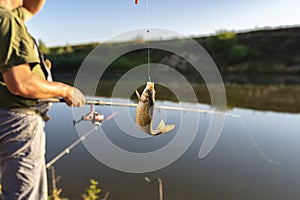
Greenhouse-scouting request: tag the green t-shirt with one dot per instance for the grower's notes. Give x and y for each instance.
(17, 47)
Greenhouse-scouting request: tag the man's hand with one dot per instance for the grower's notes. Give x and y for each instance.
(74, 98)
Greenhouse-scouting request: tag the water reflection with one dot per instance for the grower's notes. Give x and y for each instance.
(256, 157)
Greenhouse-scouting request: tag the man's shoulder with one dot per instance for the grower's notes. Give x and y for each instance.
(6, 19)
(9, 19)
(16, 14)
(6, 15)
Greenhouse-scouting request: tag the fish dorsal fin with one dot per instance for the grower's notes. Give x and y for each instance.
(163, 128)
(138, 95)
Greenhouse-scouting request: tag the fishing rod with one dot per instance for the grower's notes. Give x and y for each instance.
(90, 102)
(69, 148)
(197, 110)
(76, 142)
(109, 103)
(93, 116)
(98, 119)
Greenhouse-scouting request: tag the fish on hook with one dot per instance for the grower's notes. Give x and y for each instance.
(144, 112)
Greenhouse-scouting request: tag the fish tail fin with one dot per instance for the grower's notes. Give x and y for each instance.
(163, 128)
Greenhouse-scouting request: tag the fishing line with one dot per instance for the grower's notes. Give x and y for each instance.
(148, 39)
(263, 154)
(149, 60)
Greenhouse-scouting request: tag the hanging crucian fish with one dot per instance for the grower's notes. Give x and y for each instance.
(136, 1)
(144, 112)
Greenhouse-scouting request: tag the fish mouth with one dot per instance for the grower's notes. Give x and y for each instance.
(150, 85)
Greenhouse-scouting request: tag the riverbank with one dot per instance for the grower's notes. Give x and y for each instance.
(260, 68)
(257, 52)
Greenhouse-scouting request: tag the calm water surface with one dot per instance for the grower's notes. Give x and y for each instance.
(256, 157)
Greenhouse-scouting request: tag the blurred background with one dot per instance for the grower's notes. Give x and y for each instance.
(256, 48)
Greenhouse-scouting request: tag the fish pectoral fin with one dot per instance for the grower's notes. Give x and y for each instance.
(163, 128)
(138, 95)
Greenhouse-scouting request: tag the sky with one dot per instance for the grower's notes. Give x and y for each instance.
(62, 22)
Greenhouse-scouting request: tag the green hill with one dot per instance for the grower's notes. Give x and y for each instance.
(263, 52)
(260, 68)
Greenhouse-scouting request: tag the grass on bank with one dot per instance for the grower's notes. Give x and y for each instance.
(92, 192)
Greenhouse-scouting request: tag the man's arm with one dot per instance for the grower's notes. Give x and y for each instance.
(21, 81)
(32, 7)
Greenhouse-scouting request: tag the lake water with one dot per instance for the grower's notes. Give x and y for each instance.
(256, 157)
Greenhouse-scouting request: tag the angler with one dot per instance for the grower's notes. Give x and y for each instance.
(144, 112)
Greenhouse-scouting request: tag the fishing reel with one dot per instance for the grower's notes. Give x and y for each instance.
(92, 116)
